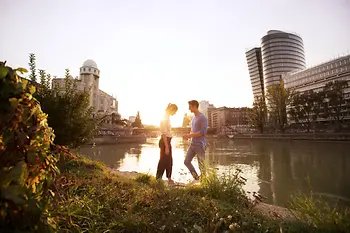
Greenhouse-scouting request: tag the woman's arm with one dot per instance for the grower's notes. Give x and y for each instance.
(165, 139)
(163, 130)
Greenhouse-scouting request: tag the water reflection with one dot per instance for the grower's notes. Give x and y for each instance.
(275, 169)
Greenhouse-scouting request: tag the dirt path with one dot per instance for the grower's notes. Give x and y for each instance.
(274, 211)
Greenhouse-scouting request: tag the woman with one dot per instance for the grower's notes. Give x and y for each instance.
(166, 159)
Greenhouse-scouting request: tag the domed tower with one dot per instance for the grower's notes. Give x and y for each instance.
(90, 75)
(282, 52)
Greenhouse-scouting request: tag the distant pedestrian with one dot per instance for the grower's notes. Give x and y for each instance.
(199, 127)
(166, 160)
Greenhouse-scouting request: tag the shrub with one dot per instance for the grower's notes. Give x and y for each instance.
(27, 165)
(227, 186)
(69, 112)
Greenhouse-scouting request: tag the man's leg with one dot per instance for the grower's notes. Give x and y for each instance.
(200, 151)
(188, 162)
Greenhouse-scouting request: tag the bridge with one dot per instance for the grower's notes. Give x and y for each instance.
(176, 131)
(155, 130)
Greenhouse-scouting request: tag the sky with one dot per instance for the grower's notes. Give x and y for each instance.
(151, 53)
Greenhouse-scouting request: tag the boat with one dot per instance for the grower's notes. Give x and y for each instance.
(230, 136)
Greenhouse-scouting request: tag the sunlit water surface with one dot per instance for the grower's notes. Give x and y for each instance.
(275, 169)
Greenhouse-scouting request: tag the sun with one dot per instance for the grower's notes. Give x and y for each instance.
(153, 114)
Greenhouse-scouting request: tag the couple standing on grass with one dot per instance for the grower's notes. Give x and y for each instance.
(199, 126)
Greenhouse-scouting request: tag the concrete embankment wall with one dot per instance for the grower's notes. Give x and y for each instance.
(304, 136)
(118, 139)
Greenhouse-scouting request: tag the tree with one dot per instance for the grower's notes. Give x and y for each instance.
(302, 108)
(137, 123)
(336, 102)
(32, 67)
(186, 120)
(115, 118)
(42, 75)
(319, 105)
(69, 111)
(294, 108)
(278, 99)
(48, 81)
(258, 114)
(118, 120)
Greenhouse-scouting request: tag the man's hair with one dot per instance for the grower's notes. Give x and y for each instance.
(193, 103)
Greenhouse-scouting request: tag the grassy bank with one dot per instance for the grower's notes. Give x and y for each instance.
(91, 199)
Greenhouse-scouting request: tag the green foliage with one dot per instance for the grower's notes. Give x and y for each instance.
(69, 111)
(258, 114)
(137, 123)
(115, 119)
(315, 211)
(186, 120)
(32, 66)
(295, 108)
(278, 99)
(329, 103)
(42, 75)
(336, 102)
(27, 165)
(70, 116)
(304, 107)
(143, 178)
(227, 186)
(90, 199)
(118, 120)
(319, 104)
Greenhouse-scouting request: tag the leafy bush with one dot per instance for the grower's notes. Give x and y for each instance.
(227, 186)
(69, 112)
(27, 165)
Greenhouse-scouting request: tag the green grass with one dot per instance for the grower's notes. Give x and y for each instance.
(143, 178)
(90, 199)
(316, 211)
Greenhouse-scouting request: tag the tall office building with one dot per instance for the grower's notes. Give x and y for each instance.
(315, 79)
(255, 67)
(281, 52)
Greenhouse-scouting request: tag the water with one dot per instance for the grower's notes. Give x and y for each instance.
(275, 169)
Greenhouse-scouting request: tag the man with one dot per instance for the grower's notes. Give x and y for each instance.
(199, 127)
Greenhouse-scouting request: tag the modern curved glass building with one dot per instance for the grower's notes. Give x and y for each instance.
(256, 71)
(281, 52)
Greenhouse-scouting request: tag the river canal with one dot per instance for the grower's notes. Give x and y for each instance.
(276, 169)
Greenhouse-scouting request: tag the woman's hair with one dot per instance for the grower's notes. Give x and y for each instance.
(171, 106)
